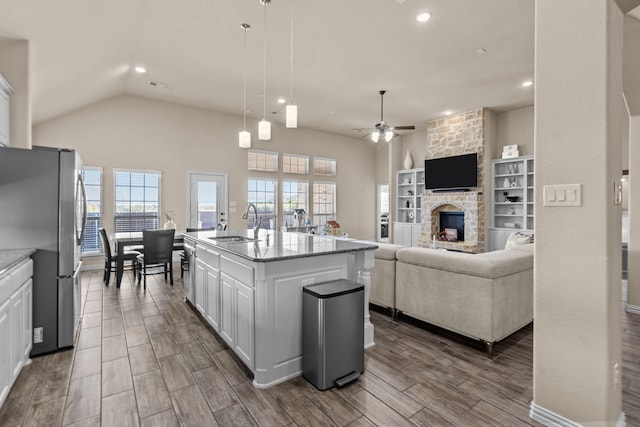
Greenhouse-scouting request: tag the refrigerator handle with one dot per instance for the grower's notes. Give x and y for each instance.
(84, 208)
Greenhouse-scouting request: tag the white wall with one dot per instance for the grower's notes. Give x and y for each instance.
(514, 127)
(578, 140)
(417, 144)
(136, 133)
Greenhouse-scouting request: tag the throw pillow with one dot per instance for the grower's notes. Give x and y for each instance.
(517, 239)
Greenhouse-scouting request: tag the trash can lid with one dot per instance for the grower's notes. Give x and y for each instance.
(333, 289)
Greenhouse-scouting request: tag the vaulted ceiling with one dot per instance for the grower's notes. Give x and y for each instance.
(471, 53)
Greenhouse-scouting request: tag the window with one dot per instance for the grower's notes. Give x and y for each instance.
(324, 166)
(324, 202)
(137, 200)
(292, 163)
(295, 195)
(92, 178)
(266, 161)
(262, 193)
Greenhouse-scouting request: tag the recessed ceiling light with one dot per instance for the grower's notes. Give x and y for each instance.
(423, 17)
(527, 83)
(140, 70)
(281, 100)
(448, 113)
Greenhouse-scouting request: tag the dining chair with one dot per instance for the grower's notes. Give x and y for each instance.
(184, 261)
(158, 251)
(110, 260)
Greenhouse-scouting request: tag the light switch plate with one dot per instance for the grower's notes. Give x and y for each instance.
(562, 195)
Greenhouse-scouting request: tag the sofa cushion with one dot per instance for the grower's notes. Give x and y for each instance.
(387, 251)
(489, 264)
(517, 239)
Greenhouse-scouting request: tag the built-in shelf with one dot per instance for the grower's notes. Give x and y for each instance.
(514, 177)
(409, 189)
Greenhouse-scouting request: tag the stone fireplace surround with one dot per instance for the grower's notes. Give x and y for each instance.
(450, 136)
(469, 202)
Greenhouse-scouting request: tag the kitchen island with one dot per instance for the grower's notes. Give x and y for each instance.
(250, 291)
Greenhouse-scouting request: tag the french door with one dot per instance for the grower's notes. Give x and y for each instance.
(207, 200)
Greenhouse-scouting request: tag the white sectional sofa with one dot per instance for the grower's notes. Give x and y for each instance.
(485, 296)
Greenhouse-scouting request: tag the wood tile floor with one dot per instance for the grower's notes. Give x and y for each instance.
(146, 359)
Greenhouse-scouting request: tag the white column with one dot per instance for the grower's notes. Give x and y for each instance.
(577, 308)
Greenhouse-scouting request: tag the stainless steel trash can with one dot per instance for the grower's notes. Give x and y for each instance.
(332, 333)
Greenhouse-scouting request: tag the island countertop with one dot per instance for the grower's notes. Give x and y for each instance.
(275, 245)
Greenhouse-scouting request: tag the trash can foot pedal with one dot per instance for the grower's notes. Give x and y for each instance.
(342, 381)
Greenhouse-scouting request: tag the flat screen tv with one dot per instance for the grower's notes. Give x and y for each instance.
(451, 173)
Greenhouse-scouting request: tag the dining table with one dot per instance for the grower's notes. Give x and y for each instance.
(123, 240)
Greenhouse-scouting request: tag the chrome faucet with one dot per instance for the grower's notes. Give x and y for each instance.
(256, 223)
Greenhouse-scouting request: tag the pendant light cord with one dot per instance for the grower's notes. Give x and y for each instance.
(291, 61)
(244, 96)
(264, 66)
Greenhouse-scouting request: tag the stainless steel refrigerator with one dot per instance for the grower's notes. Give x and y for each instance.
(43, 206)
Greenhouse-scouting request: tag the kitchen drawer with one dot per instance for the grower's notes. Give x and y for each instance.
(6, 288)
(21, 273)
(238, 271)
(208, 256)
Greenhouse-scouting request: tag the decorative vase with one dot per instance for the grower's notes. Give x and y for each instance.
(408, 161)
(169, 225)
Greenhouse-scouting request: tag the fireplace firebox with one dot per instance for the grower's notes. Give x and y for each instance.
(453, 220)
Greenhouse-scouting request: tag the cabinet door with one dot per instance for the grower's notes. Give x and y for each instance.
(27, 339)
(17, 317)
(213, 297)
(201, 283)
(5, 350)
(244, 317)
(227, 309)
(402, 234)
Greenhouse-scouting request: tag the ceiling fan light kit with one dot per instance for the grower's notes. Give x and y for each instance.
(383, 128)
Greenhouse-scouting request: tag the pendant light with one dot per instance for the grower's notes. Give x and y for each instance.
(264, 126)
(244, 137)
(291, 111)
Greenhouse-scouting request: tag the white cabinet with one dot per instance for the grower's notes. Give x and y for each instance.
(212, 312)
(5, 93)
(207, 299)
(512, 204)
(237, 317)
(201, 285)
(243, 320)
(17, 320)
(27, 325)
(5, 350)
(226, 313)
(16, 304)
(237, 313)
(406, 233)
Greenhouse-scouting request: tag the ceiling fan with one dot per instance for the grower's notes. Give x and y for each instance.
(383, 128)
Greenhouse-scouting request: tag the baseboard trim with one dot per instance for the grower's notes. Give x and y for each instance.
(633, 309)
(548, 418)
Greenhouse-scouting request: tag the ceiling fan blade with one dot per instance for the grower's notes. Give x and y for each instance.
(404, 128)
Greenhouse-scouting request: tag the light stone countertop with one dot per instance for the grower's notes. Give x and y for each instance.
(277, 246)
(11, 257)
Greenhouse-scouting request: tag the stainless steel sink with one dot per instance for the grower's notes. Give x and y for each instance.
(224, 239)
